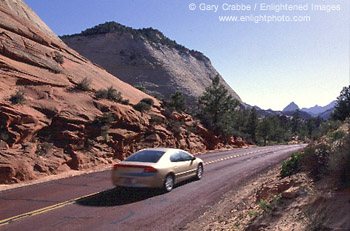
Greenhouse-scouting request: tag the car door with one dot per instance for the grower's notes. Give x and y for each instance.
(180, 167)
(189, 168)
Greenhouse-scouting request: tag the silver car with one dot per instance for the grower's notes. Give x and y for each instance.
(157, 168)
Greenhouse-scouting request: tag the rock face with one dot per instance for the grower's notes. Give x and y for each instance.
(48, 124)
(146, 57)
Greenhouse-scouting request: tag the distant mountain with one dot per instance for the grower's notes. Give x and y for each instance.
(255, 106)
(270, 112)
(325, 115)
(318, 110)
(302, 114)
(324, 112)
(291, 107)
(146, 57)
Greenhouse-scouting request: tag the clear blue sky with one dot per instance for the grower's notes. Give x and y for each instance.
(267, 64)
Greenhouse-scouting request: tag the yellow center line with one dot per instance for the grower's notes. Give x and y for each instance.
(43, 210)
(233, 156)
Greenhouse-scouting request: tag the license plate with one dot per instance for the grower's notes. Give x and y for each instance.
(128, 181)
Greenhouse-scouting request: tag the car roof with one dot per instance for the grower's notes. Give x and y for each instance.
(164, 149)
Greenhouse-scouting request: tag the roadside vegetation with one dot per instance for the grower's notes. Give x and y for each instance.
(329, 155)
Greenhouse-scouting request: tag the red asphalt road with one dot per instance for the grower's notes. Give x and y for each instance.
(134, 209)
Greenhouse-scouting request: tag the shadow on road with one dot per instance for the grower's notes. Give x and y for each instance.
(118, 196)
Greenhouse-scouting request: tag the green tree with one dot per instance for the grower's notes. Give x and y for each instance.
(264, 129)
(342, 108)
(216, 107)
(177, 101)
(296, 122)
(252, 124)
(277, 131)
(239, 118)
(311, 127)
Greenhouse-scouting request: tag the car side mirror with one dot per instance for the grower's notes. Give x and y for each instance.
(193, 158)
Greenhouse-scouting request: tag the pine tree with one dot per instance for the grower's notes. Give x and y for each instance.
(216, 107)
(264, 129)
(295, 123)
(342, 109)
(177, 101)
(252, 124)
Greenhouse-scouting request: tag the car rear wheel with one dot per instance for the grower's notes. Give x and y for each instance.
(199, 173)
(169, 183)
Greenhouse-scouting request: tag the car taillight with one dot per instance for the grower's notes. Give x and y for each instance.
(115, 167)
(148, 169)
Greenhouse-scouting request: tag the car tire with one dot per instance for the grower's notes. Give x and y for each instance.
(199, 172)
(168, 183)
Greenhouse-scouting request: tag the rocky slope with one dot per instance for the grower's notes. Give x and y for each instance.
(271, 203)
(48, 125)
(146, 57)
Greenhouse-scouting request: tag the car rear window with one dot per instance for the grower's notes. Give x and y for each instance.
(146, 156)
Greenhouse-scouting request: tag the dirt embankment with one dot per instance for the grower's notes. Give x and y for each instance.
(270, 203)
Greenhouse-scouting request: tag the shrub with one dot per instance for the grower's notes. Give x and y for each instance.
(84, 85)
(340, 161)
(55, 70)
(158, 96)
(141, 88)
(193, 129)
(156, 119)
(105, 119)
(43, 149)
(103, 124)
(175, 126)
(101, 94)
(264, 205)
(142, 106)
(114, 95)
(111, 94)
(4, 135)
(292, 165)
(18, 97)
(315, 160)
(125, 101)
(338, 135)
(88, 144)
(58, 57)
(148, 101)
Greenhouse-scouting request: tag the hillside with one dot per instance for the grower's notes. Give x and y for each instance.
(51, 122)
(145, 57)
